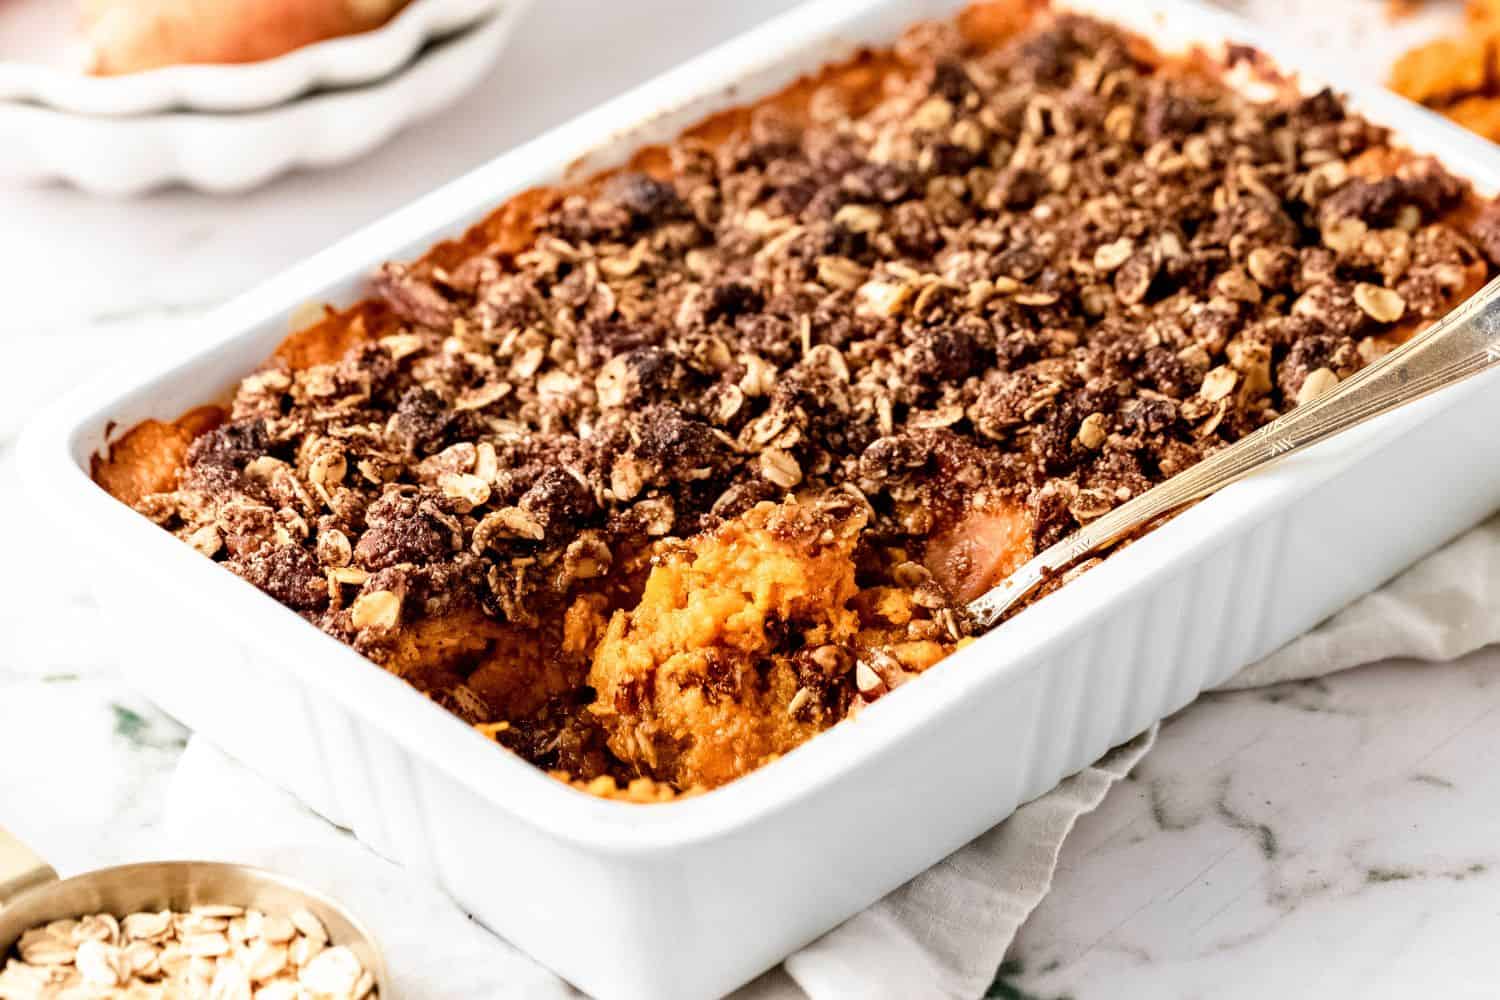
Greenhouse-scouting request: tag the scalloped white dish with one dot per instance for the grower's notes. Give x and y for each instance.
(235, 152)
(41, 63)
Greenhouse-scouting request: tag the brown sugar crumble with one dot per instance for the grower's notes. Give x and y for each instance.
(654, 478)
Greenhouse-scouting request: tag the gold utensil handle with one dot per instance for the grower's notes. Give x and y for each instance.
(1463, 343)
(20, 868)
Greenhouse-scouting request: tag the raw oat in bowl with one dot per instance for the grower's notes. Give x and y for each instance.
(175, 930)
(218, 951)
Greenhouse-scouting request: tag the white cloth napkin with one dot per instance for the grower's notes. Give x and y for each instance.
(941, 935)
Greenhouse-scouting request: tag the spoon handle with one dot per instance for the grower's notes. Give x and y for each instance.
(20, 868)
(1463, 343)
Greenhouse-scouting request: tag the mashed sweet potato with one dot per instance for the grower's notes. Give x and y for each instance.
(697, 684)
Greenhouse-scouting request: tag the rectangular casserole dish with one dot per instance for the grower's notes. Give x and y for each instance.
(694, 897)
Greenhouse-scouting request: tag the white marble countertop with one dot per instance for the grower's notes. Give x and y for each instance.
(1336, 837)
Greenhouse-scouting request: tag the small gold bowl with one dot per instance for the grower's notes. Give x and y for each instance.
(32, 896)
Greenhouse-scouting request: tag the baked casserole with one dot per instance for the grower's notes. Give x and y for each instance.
(655, 476)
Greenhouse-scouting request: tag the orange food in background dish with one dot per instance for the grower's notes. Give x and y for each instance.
(1458, 76)
(128, 36)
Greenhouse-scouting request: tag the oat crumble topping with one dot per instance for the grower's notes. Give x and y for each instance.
(955, 299)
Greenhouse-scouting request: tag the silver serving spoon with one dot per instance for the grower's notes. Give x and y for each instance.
(1463, 343)
(32, 896)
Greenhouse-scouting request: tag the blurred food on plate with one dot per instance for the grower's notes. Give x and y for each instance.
(1459, 75)
(127, 36)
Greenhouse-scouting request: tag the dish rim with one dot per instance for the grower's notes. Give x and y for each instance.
(54, 449)
(346, 61)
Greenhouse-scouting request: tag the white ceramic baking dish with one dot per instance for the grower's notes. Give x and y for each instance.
(691, 898)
